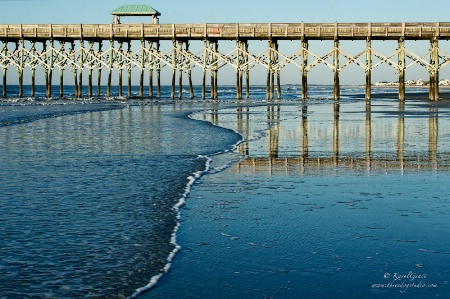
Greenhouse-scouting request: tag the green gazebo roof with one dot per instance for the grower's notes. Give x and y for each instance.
(135, 10)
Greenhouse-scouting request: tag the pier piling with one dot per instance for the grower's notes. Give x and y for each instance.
(19, 50)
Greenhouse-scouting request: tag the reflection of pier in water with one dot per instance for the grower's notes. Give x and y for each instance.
(340, 150)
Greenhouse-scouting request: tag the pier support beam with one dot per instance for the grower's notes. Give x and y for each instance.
(99, 72)
(239, 62)
(19, 50)
(434, 70)
(142, 68)
(336, 87)
(401, 70)
(368, 69)
(189, 72)
(150, 70)
(129, 68)
(33, 70)
(50, 69)
(90, 67)
(304, 69)
(205, 58)
(80, 80)
(120, 63)
(158, 72)
(272, 70)
(110, 68)
(214, 47)
(5, 68)
(174, 69)
(74, 69)
(247, 72)
(179, 61)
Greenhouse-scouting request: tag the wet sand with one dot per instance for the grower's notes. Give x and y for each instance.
(327, 201)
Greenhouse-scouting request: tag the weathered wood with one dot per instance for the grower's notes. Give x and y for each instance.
(150, 71)
(110, 68)
(174, 69)
(189, 71)
(20, 70)
(287, 31)
(50, 70)
(158, 73)
(180, 71)
(368, 69)
(336, 86)
(141, 76)
(401, 71)
(80, 79)
(434, 70)
(99, 73)
(129, 70)
(303, 69)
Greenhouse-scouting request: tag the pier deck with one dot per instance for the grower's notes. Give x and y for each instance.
(260, 31)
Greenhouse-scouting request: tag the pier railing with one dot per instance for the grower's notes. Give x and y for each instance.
(227, 31)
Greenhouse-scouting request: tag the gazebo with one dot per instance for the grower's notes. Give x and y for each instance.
(135, 10)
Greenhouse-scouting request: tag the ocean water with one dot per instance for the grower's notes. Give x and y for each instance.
(91, 190)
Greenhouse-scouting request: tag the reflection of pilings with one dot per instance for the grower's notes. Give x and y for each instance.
(305, 130)
(401, 133)
(401, 70)
(368, 135)
(243, 128)
(336, 133)
(321, 165)
(433, 135)
(273, 119)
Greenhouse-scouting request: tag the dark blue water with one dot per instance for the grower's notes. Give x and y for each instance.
(87, 193)
(88, 187)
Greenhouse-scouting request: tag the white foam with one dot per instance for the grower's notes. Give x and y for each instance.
(173, 240)
(181, 202)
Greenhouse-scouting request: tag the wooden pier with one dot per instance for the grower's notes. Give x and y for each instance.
(81, 47)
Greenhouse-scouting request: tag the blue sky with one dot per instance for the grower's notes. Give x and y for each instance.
(228, 11)
(255, 11)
